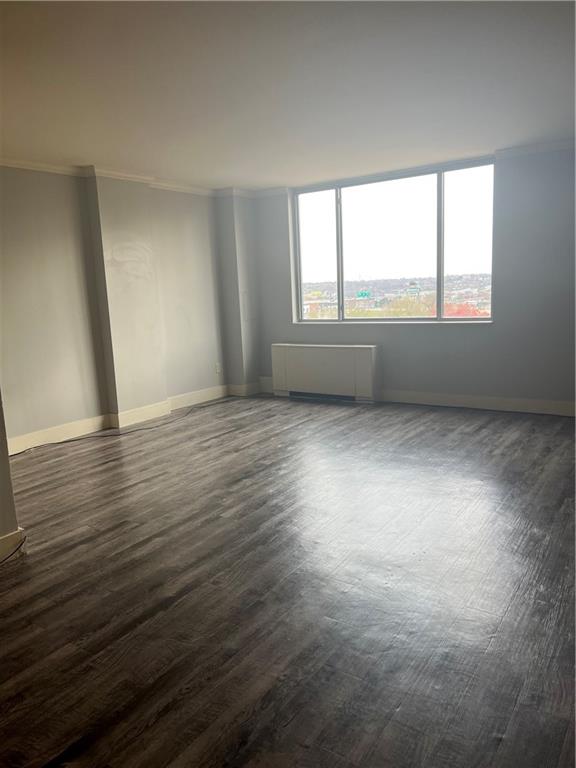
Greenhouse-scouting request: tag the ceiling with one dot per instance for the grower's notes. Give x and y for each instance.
(279, 94)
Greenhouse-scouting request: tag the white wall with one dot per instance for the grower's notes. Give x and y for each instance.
(526, 354)
(49, 351)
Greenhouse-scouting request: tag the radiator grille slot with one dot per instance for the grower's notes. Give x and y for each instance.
(319, 396)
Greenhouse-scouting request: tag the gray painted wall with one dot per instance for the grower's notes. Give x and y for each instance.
(133, 291)
(160, 262)
(183, 237)
(167, 313)
(49, 357)
(229, 290)
(8, 522)
(244, 218)
(534, 276)
(108, 290)
(238, 287)
(527, 352)
(98, 296)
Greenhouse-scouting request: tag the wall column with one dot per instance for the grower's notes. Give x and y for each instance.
(11, 536)
(131, 312)
(238, 291)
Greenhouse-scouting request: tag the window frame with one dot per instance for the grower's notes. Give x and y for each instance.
(438, 170)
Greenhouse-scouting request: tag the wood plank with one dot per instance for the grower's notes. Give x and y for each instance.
(263, 583)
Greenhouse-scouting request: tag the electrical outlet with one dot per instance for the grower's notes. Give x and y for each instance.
(218, 369)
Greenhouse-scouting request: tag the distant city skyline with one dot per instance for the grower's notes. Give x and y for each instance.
(464, 296)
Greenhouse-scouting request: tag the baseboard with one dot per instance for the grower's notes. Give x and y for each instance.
(58, 434)
(199, 396)
(137, 415)
(163, 408)
(521, 405)
(12, 543)
(482, 402)
(115, 420)
(266, 385)
(244, 390)
(83, 427)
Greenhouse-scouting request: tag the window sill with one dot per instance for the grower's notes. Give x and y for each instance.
(488, 321)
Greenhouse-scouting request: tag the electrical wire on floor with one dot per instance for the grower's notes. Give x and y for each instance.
(113, 432)
(18, 548)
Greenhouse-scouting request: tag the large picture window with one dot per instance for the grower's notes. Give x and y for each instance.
(408, 248)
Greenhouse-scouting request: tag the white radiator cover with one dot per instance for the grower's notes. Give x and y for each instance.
(324, 369)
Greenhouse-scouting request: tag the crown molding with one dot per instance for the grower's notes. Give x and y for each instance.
(232, 192)
(152, 181)
(250, 193)
(174, 186)
(84, 171)
(270, 192)
(26, 165)
(170, 187)
(106, 173)
(562, 145)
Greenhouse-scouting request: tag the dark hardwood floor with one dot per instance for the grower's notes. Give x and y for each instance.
(271, 584)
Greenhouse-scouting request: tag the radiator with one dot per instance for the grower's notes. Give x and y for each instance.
(324, 369)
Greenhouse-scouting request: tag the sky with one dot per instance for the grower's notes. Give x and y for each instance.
(389, 228)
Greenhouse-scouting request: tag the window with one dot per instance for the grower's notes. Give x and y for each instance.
(389, 245)
(410, 248)
(468, 197)
(318, 260)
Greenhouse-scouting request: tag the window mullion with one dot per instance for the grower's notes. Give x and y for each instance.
(298, 259)
(339, 255)
(440, 246)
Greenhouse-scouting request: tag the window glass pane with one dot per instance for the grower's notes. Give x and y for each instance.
(389, 232)
(468, 196)
(318, 263)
